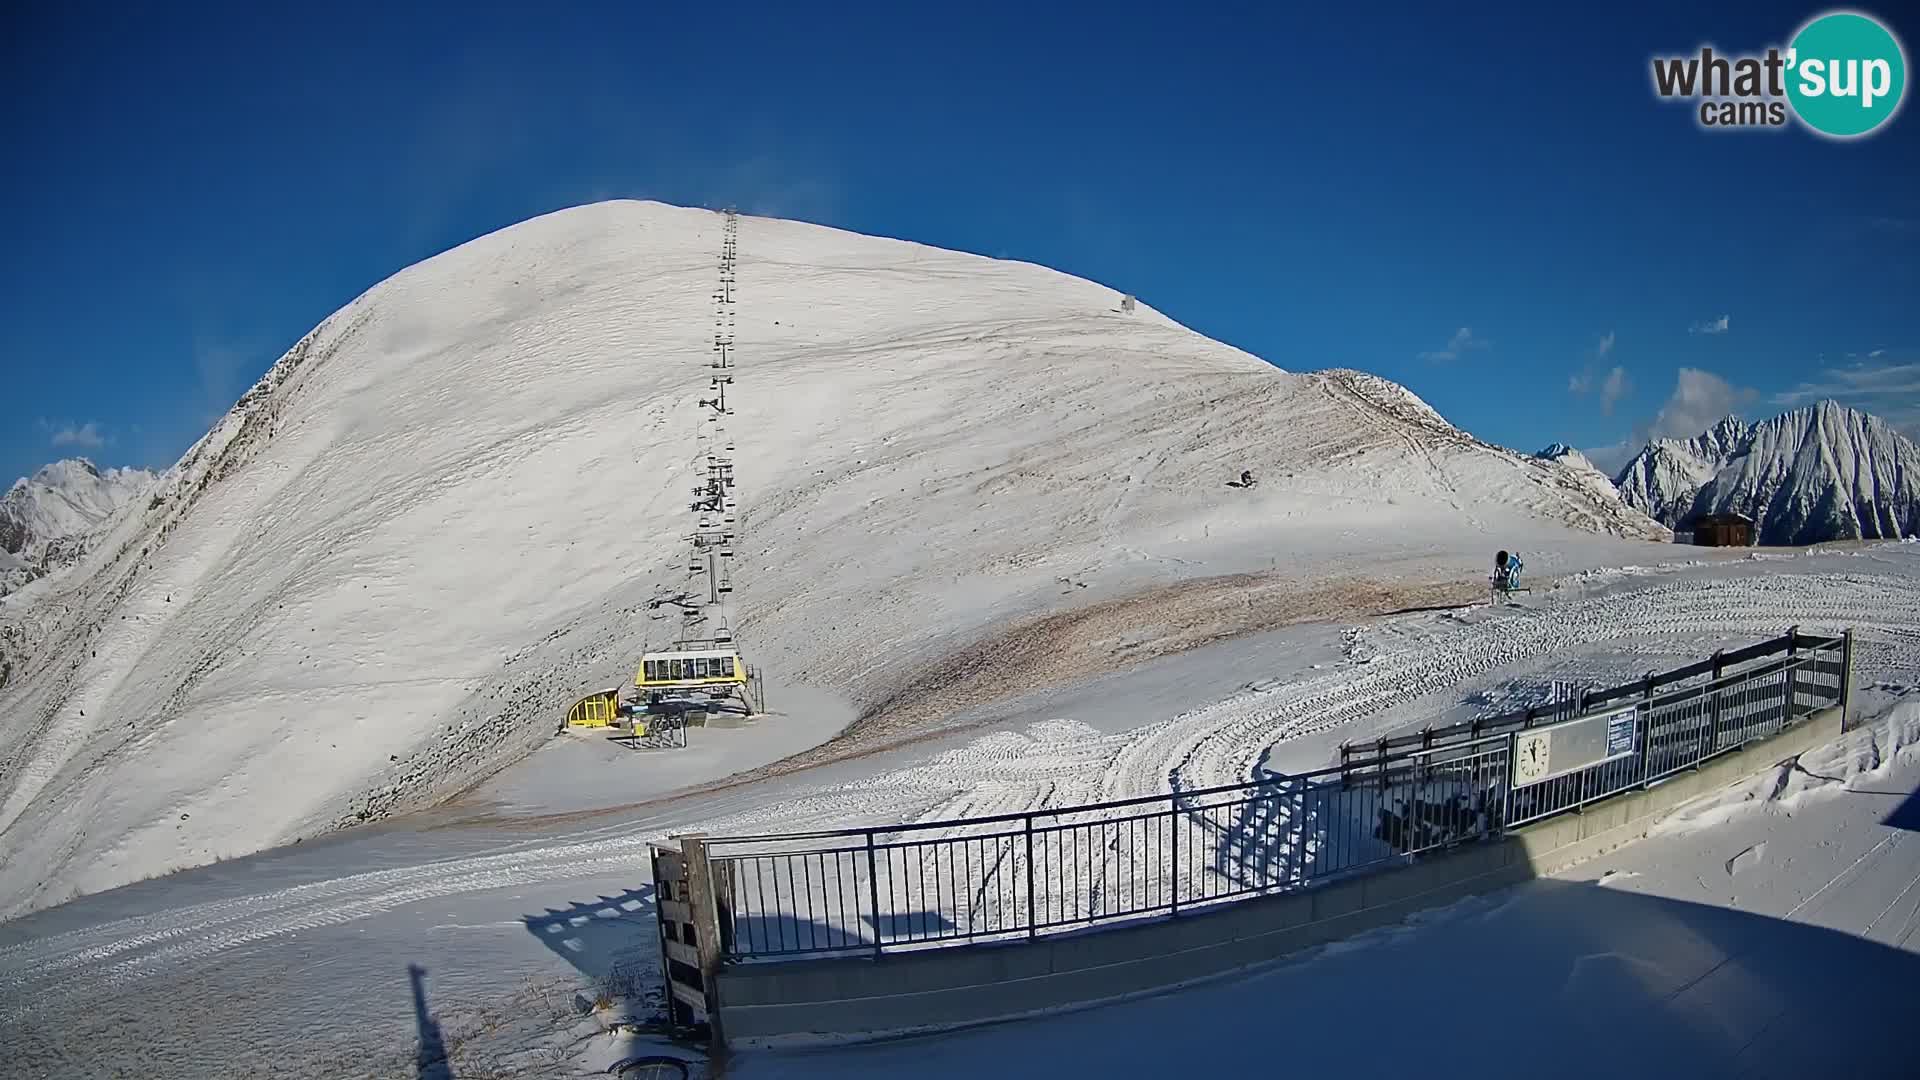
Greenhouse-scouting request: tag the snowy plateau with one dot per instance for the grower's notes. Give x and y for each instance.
(1820, 473)
(287, 726)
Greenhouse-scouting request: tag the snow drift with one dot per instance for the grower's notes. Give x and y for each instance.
(1825, 472)
(440, 515)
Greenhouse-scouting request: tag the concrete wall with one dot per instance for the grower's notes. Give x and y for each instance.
(900, 993)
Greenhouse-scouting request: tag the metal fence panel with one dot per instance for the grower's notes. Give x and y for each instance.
(1019, 875)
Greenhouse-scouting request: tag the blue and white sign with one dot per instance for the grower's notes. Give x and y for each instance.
(1620, 731)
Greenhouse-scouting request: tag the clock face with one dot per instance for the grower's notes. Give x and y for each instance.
(1531, 755)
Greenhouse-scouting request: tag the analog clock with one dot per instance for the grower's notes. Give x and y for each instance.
(1531, 756)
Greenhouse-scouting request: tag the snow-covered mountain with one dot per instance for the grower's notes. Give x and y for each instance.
(1824, 472)
(447, 511)
(1661, 479)
(1568, 456)
(46, 518)
(1583, 470)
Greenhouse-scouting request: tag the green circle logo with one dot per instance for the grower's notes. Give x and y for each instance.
(1846, 74)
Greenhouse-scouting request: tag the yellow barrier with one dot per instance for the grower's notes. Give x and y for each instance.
(597, 710)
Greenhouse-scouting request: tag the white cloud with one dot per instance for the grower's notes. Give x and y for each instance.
(1460, 342)
(1616, 386)
(1711, 326)
(1613, 386)
(1612, 458)
(87, 436)
(1699, 400)
(1889, 390)
(1876, 354)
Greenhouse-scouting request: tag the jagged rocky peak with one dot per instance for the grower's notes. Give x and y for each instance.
(45, 518)
(1820, 472)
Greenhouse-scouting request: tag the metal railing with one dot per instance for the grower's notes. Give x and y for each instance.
(1051, 871)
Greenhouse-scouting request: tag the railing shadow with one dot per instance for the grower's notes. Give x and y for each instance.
(613, 940)
(430, 1061)
(1906, 815)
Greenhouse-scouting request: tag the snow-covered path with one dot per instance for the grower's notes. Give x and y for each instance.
(1771, 932)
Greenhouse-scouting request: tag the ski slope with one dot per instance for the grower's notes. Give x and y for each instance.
(440, 517)
(204, 956)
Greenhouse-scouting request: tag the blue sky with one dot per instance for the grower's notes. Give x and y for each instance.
(1491, 208)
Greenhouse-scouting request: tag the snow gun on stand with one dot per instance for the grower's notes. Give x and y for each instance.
(1506, 577)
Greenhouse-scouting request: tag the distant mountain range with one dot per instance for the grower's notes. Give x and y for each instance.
(1824, 472)
(45, 518)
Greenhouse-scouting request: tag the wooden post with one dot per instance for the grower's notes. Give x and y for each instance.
(702, 899)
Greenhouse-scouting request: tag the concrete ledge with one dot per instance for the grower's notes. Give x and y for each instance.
(858, 997)
(1558, 843)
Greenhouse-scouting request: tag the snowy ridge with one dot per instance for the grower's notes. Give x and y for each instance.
(1825, 472)
(442, 514)
(1582, 470)
(1661, 480)
(46, 519)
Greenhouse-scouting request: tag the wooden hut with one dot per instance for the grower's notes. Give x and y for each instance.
(1723, 530)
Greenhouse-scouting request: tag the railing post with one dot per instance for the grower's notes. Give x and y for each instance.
(1846, 679)
(1646, 736)
(1506, 801)
(706, 928)
(1714, 691)
(873, 893)
(1033, 924)
(1173, 824)
(1792, 673)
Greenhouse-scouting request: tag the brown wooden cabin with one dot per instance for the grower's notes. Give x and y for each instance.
(1723, 530)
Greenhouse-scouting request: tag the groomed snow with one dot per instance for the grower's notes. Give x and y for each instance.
(438, 519)
(511, 918)
(1771, 931)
